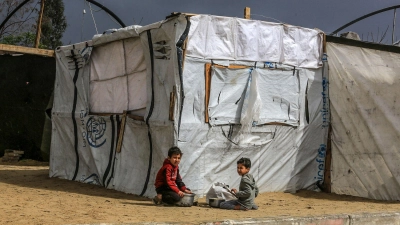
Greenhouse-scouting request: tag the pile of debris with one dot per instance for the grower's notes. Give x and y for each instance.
(12, 155)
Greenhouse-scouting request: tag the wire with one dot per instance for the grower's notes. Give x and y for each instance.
(94, 21)
(22, 22)
(83, 19)
(100, 9)
(114, 20)
(267, 17)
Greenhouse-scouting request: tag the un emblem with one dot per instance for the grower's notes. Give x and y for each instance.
(95, 130)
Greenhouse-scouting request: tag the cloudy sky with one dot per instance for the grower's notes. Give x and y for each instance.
(326, 15)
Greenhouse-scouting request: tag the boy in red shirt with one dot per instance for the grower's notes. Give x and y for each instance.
(169, 186)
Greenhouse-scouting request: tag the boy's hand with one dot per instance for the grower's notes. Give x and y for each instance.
(180, 193)
(188, 191)
(234, 190)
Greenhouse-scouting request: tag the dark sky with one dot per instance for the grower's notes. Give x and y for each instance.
(326, 15)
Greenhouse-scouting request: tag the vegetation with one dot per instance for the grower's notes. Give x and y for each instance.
(21, 27)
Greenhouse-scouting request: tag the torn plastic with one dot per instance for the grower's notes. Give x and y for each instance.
(250, 110)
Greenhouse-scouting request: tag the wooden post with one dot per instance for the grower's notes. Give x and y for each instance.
(394, 23)
(208, 86)
(121, 132)
(327, 185)
(247, 12)
(172, 103)
(39, 25)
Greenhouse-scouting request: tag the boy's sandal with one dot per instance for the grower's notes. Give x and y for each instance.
(239, 207)
(156, 200)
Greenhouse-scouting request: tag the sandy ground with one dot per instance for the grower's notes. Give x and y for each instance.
(29, 196)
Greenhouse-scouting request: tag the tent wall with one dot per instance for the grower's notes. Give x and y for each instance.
(160, 49)
(287, 158)
(83, 142)
(364, 90)
(288, 154)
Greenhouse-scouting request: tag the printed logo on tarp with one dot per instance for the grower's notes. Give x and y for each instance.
(269, 65)
(96, 127)
(82, 116)
(325, 110)
(92, 179)
(321, 162)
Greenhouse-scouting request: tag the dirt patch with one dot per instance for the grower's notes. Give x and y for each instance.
(29, 196)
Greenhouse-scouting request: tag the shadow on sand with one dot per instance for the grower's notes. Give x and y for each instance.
(38, 178)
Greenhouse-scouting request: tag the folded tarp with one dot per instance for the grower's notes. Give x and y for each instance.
(216, 37)
(118, 77)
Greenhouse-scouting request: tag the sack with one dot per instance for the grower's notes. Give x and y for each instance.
(217, 191)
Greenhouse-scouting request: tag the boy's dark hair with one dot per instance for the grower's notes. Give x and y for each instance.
(245, 162)
(174, 150)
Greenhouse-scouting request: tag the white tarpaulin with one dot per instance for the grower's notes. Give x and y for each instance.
(284, 158)
(143, 70)
(216, 37)
(118, 77)
(364, 94)
(279, 94)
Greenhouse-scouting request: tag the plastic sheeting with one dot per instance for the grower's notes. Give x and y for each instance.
(118, 77)
(364, 87)
(215, 37)
(83, 146)
(227, 92)
(284, 158)
(278, 93)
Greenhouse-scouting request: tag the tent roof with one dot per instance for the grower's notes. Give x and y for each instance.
(363, 44)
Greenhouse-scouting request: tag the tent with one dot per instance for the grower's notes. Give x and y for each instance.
(364, 92)
(219, 88)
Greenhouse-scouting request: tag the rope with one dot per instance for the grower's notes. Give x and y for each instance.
(267, 17)
(94, 21)
(83, 19)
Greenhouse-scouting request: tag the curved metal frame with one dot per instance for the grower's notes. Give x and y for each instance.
(363, 17)
(108, 11)
(91, 1)
(12, 13)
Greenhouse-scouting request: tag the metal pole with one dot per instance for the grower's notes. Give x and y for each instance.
(108, 11)
(12, 13)
(394, 22)
(363, 17)
(39, 25)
